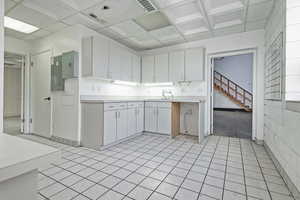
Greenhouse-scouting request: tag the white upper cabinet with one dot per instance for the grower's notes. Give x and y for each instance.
(161, 68)
(148, 69)
(126, 65)
(176, 66)
(115, 54)
(95, 57)
(194, 64)
(136, 68)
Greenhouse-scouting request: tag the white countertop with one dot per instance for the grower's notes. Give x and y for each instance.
(113, 99)
(19, 156)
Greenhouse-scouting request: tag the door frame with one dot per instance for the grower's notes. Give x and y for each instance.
(24, 100)
(210, 86)
(30, 90)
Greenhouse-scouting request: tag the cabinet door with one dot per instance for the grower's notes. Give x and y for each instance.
(140, 119)
(194, 61)
(121, 124)
(100, 57)
(162, 68)
(150, 119)
(132, 121)
(148, 69)
(126, 65)
(136, 69)
(110, 127)
(114, 62)
(176, 66)
(164, 120)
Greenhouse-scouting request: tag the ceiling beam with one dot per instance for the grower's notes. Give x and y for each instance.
(246, 4)
(205, 15)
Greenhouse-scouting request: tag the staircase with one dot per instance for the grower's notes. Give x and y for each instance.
(233, 91)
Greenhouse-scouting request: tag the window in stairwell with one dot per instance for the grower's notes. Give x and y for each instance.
(292, 78)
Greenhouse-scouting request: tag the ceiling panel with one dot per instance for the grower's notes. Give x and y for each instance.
(82, 4)
(229, 30)
(127, 29)
(255, 25)
(167, 3)
(259, 11)
(228, 19)
(37, 34)
(192, 27)
(183, 13)
(56, 27)
(215, 7)
(198, 36)
(14, 34)
(54, 8)
(167, 34)
(8, 4)
(30, 16)
(83, 20)
(119, 10)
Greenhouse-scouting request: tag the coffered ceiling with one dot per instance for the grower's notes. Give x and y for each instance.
(173, 21)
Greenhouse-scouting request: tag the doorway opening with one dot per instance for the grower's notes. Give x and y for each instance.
(233, 95)
(13, 93)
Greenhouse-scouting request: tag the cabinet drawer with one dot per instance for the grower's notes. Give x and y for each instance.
(151, 104)
(135, 104)
(114, 106)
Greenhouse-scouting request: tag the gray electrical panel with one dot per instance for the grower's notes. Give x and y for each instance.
(57, 82)
(70, 65)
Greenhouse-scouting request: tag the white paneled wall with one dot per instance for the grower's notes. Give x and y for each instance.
(1, 62)
(292, 50)
(282, 126)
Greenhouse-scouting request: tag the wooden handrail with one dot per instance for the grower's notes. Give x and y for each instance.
(228, 86)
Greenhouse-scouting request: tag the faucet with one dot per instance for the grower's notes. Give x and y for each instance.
(167, 94)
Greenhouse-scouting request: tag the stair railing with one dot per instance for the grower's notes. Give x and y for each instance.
(233, 90)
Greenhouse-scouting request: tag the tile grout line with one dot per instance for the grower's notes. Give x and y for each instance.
(261, 171)
(228, 147)
(244, 174)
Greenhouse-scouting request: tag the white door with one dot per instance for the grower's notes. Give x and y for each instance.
(194, 64)
(140, 119)
(136, 68)
(40, 94)
(176, 66)
(132, 121)
(150, 119)
(110, 127)
(162, 68)
(122, 124)
(148, 69)
(164, 120)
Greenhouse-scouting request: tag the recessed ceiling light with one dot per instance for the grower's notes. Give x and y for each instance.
(19, 25)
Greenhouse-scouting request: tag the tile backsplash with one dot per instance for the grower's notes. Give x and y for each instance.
(105, 88)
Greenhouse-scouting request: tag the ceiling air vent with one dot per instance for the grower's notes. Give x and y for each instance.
(147, 5)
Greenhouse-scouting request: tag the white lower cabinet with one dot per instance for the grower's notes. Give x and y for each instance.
(135, 119)
(110, 127)
(158, 117)
(140, 118)
(131, 121)
(121, 124)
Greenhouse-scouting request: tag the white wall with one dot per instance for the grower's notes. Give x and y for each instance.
(247, 40)
(282, 126)
(12, 91)
(1, 62)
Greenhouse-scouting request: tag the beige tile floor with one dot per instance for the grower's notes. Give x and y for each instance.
(154, 167)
